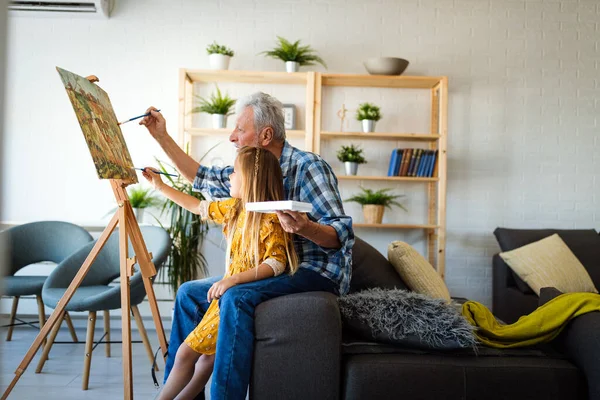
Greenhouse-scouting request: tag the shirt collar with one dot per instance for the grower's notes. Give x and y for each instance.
(286, 157)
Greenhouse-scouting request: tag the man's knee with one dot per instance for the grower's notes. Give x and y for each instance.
(237, 296)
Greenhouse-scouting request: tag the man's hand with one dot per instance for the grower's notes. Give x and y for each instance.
(294, 222)
(220, 287)
(155, 123)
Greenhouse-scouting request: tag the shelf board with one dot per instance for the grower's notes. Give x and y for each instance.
(427, 137)
(387, 81)
(396, 226)
(208, 76)
(387, 178)
(227, 131)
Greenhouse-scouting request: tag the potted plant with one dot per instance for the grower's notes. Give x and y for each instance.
(294, 55)
(187, 231)
(374, 203)
(368, 113)
(219, 56)
(218, 106)
(351, 156)
(141, 198)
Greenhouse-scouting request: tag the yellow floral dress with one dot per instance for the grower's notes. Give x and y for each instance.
(203, 338)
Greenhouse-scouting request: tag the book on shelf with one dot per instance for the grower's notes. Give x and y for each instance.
(405, 161)
(399, 153)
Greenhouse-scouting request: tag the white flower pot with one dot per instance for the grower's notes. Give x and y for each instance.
(368, 125)
(218, 61)
(218, 121)
(292, 66)
(139, 214)
(351, 167)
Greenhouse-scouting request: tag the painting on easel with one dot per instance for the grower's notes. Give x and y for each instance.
(100, 127)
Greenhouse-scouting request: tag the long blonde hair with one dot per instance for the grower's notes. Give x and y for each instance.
(261, 180)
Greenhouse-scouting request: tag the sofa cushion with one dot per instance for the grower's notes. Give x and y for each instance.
(433, 377)
(549, 263)
(547, 294)
(584, 243)
(415, 270)
(405, 318)
(371, 269)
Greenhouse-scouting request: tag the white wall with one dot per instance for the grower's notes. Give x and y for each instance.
(524, 89)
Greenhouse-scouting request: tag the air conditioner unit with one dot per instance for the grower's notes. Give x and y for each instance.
(101, 8)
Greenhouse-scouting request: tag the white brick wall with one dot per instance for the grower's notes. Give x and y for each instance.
(524, 82)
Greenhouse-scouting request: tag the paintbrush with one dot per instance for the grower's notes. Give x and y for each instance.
(156, 171)
(138, 117)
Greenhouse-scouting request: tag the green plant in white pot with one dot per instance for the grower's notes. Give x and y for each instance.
(294, 55)
(351, 156)
(141, 198)
(219, 56)
(368, 114)
(375, 202)
(218, 105)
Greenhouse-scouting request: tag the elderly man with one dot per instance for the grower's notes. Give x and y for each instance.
(323, 239)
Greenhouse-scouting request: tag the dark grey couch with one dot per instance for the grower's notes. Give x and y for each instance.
(302, 351)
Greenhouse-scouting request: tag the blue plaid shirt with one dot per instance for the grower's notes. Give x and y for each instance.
(308, 178)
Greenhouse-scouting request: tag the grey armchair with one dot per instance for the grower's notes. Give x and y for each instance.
(33, 243)
(95, 293)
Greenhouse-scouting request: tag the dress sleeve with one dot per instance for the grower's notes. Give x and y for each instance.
(272, 236)
(218, 211)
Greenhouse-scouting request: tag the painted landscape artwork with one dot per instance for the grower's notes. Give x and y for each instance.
(100, 127)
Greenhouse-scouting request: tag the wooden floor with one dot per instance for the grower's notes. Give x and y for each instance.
(61, 377)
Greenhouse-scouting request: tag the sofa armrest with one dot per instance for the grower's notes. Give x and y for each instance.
(297, 349)
(580, 342)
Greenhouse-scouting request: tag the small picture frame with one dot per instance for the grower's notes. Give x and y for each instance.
(289, 114)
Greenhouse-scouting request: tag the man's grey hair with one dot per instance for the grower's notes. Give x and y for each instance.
(268, 111)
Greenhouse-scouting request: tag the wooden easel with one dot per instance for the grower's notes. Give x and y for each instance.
(128, 229)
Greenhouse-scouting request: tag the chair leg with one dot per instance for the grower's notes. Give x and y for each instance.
(71, 328)
(143, 334)
(89, 344)
(48, 346)
(107, 331)
(41, 314)
(13, 314)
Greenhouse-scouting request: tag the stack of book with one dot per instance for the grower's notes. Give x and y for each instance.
(413, 162)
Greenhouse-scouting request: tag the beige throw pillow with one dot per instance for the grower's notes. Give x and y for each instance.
(416, 272)
(549, 263)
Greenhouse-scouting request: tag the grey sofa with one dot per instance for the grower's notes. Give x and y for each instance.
(303, 351)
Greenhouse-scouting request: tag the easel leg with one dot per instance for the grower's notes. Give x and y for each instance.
(13, 314)
(125, 304)
(137, 241)
(58, 311)
(89, 345)
(140, 325)
(48, 346)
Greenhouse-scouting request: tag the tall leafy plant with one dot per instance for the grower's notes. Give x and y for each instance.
(187, 230)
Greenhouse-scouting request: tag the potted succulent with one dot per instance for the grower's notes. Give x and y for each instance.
(368, 113)
(374, 203)
(351, 156)
(219, 56)
(187, 231)
(218, 106)
(294, 55)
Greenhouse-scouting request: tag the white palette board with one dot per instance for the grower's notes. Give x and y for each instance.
(272, 206)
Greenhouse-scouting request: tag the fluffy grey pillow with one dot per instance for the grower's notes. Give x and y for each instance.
(406, 318)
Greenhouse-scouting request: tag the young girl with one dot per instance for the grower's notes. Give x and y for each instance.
(257, 248)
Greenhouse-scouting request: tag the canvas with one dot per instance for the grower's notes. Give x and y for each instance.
(100, 127)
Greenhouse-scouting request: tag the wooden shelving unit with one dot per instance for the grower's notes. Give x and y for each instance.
(435, 228)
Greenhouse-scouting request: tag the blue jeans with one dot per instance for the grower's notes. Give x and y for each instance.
(235, 342)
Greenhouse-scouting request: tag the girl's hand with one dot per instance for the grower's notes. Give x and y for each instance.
(153, 178)
(220, 287)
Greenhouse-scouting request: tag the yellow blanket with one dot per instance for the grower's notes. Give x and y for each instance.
(542, 325)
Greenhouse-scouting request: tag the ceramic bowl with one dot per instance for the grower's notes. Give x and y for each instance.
(386, 65)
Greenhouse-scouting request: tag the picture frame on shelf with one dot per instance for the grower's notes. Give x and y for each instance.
(289, 114)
